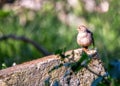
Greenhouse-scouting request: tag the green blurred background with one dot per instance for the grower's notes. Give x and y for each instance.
(53, 23)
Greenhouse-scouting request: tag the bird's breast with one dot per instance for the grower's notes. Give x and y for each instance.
(81, 34)
(84, 39)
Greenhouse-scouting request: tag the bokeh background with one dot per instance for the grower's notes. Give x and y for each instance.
(53, 25)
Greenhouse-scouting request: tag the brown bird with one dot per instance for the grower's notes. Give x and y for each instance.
(84, 37)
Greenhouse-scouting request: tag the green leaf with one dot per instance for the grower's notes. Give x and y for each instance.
(4, 66)
(59, 51)
(4, 13)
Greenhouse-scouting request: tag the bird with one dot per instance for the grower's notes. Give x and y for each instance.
(85, 37)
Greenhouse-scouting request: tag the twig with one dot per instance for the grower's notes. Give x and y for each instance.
(92, 71)
(24, 39)
(97, 74)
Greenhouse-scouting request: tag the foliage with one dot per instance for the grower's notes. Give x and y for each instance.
(111, 78)
(83, 61)
(74, 66)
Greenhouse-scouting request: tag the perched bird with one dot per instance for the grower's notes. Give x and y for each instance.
(84, 37)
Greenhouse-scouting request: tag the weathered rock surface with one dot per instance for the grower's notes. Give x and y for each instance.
(35, 73)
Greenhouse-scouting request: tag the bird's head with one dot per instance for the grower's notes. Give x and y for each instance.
(82, 28)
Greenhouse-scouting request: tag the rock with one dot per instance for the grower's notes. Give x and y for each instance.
(35, 73)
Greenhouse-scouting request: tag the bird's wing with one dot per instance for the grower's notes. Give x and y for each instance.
(93, 42)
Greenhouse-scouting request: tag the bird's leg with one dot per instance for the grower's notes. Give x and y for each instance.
(85, 49)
